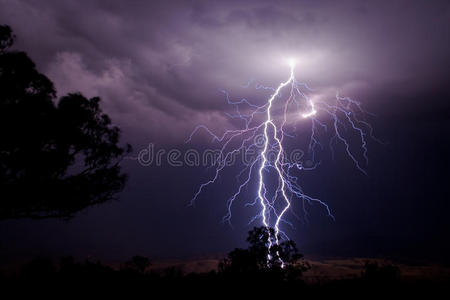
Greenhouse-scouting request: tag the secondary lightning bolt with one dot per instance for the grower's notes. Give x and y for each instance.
(268, 134)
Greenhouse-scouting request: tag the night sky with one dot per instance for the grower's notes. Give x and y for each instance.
(158, 67)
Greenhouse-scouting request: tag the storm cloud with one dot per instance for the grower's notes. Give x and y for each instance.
(158, 65)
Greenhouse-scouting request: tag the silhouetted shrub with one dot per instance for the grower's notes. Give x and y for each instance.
(385, 273)
(265, 259)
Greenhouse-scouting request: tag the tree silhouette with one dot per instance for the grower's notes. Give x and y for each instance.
(137, 263)
(56, 157)
(282, 261)
(380, 274)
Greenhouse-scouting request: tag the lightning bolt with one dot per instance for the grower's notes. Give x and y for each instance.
(264, 131)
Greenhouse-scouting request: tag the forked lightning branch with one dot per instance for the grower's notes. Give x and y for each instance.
(277, 178)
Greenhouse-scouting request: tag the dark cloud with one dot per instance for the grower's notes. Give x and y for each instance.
(162, 63)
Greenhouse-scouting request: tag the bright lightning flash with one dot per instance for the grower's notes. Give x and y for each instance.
(264, 131)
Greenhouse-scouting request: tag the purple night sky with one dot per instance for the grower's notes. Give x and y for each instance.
(158, 67)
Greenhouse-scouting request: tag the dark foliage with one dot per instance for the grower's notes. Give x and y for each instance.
(280, 262)
(68, 278)
(245, 272)
(137, 264)
(56, 157)
(385, 273)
